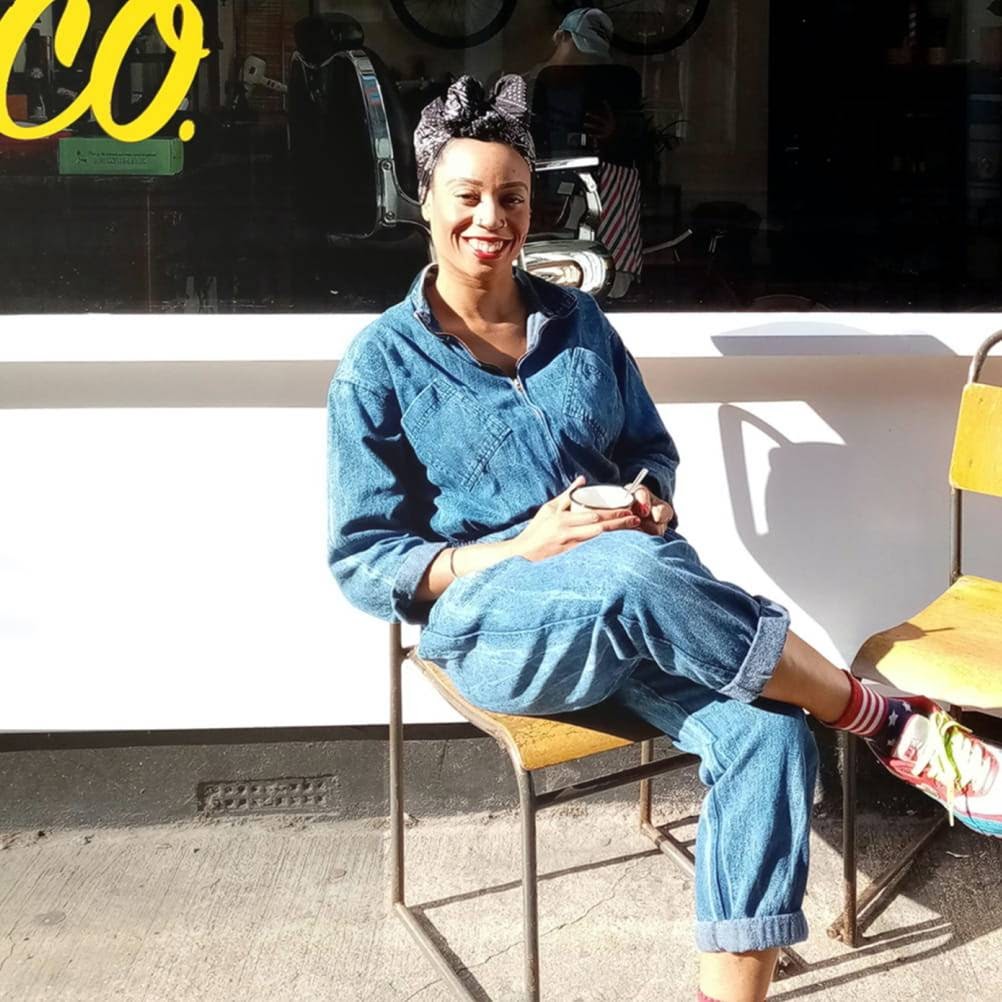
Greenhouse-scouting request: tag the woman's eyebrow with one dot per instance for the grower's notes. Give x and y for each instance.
(479, 184)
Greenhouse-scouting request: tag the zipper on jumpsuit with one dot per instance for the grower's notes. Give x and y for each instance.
(524, 394)
(516, 382)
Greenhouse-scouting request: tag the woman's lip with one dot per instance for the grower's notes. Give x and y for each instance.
(485, 254)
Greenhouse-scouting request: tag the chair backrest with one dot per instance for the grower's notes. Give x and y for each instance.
(976, 464)
(319, 36)
(335, 176)
(977, 448)
(351, 146)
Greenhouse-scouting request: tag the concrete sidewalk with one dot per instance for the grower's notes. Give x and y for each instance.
(273, 909)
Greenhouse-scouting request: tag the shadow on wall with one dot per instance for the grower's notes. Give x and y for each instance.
(842, 522)
(855, 529)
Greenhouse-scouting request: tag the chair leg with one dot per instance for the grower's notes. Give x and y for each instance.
(846, 927)
(530, 902)
(850, 928)
(646, 756)
(860, 909)
(398, 906)
(396, 770)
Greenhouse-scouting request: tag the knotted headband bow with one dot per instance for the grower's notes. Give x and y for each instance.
(467, 112)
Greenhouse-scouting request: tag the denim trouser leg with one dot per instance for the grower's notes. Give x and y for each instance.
(640, 619)
(759, 761)
(563, 633)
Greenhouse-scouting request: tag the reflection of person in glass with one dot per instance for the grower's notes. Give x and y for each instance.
(460, 422)
(582, 99)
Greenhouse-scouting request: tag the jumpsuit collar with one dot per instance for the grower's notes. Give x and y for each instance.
(544, 299)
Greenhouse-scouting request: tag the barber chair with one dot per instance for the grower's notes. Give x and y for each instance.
(351, 141)
(320, 131)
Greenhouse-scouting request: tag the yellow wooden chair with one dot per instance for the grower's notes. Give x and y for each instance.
(532, 744)
(951, 651)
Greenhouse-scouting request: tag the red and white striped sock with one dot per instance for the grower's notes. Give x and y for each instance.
(866, 712)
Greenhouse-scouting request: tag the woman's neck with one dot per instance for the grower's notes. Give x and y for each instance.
(476, 303)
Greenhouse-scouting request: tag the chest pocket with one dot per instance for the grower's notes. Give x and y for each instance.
(591, 400)
(453, 437)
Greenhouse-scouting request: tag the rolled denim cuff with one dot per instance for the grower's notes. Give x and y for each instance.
(409, 575)
(742, 935)
(763, 654)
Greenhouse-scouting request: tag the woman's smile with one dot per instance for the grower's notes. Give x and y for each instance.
(487, 248)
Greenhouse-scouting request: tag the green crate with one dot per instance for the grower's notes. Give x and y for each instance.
(151, 157)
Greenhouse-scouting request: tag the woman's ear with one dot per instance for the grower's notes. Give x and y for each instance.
(425, 211)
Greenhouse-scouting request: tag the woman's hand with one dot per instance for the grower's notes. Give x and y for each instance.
(555, 528)
(655, 514)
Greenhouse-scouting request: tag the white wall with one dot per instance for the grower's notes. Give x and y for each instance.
(162, 557)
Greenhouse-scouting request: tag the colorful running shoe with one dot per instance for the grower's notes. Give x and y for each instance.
(944, 760)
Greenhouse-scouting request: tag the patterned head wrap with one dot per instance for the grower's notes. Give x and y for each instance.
(466, 112)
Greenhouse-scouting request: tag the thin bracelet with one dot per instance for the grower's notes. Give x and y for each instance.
(452, 566)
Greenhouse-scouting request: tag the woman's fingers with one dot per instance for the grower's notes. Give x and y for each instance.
(581, 517)
(578, 532)
(563, 500)
(642, 500)
(661, 513)
(657, 523)
(628, 521)
(593, 515)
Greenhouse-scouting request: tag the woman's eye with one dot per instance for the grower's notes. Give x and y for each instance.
(469, 198)
(514, 200)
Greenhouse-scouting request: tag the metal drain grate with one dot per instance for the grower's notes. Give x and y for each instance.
(291, 794)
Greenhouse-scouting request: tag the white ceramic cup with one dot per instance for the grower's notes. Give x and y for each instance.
(600, 497)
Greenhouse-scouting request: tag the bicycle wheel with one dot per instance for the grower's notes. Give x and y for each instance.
(454, 24)
(646, 27)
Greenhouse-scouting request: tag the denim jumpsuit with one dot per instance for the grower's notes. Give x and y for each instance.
(428, 448)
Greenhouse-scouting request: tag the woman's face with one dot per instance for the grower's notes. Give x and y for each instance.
(478, 206)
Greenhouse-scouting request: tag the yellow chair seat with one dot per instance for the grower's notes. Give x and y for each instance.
(538, 742)
(951, 651)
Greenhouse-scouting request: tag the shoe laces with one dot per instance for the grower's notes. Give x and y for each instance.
(949, 756)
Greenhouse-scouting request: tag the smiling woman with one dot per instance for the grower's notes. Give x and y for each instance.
(475, 198)
(460, 423)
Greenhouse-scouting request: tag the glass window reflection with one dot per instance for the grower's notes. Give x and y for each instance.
(721, 156)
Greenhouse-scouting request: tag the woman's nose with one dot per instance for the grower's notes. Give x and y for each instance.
(489, 215)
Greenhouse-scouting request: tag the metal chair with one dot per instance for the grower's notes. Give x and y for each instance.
(951, 651)
(532, 745)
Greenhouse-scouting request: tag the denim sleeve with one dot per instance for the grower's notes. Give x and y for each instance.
(375, 549)
(644, 440)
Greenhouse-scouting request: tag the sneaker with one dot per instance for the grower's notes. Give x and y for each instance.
(944, 760)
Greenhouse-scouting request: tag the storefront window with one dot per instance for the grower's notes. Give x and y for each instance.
(839, 156)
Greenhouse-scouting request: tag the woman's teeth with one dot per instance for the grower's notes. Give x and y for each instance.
(487, 246)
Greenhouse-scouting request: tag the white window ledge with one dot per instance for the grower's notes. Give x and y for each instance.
(112, 338)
